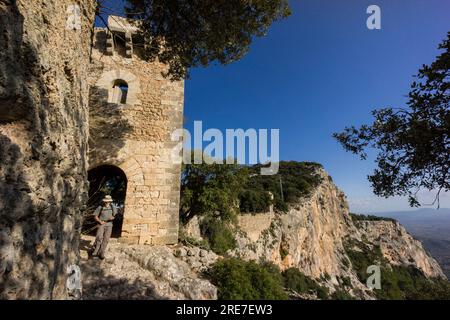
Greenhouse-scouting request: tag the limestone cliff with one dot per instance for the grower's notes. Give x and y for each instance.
(312, 235)
(398, 246)
(43, 143)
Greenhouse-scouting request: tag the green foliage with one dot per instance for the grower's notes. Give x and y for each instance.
(362, 217)
(189, 241)
(322, 293)
(295, 280)
(219, 234)
(412, 142)
(218, 189)
(241, 280)
(346, 281)
(208, 189)
(397, 282)
(187, 33)
(326, 276)
(362, 256)
(341, 295)
(253, 201)
(298, 179)
(283, 252)
(407, 282)
(219, 192)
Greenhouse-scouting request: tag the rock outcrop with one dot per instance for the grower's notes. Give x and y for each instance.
(398, 246)
(43, 143)
(198, 259)
(143, 272)
(311, 237)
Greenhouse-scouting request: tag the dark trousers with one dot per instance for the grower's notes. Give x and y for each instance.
(101, 240)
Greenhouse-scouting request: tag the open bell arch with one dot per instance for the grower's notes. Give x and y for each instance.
(109, 80)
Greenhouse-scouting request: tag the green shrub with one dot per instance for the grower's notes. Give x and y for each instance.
(341, 295)
(397, 282)
(211, 189)
(240, 280)
(298, 179)
(322, 293)
(362, 256)
(295, 280)
(253, 201)
(189, 241)
(326, 276)
(219, 234)
(346, 281)
(283, 252)
(214, 188)
(408, 282)
(361, 217)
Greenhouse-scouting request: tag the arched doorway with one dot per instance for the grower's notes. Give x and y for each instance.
(105, 180)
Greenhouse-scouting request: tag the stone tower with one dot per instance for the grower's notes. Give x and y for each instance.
(133, 111)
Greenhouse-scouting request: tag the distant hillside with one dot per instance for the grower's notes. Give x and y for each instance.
(432, 228)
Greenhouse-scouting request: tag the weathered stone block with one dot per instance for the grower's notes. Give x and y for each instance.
(167, 239)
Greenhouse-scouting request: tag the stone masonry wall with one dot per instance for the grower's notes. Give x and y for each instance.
(254, 224)
(43, 144)
(136, 138)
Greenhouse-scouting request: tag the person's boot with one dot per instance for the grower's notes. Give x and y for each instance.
(93, 255)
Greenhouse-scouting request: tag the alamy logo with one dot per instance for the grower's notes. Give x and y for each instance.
(374, 280)
(6, 253)
(73, 21)
(374, 20)
(73, 282)
(235, 141)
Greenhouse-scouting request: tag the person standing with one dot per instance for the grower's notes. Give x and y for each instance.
(104, 215)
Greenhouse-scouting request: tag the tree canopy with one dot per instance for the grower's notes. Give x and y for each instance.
(412, 142)
(293, 181)
(191, 33)
(227, 190)
(211, 189)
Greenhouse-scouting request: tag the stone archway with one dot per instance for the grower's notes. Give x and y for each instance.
(103, 180)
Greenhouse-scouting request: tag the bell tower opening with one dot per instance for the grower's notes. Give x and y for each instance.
(105, 180)
(119, 92)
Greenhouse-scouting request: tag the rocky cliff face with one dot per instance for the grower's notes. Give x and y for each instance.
(398, 246)
(43, 144)
(312, 237)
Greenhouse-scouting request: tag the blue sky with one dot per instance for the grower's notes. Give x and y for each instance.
(319, 71)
